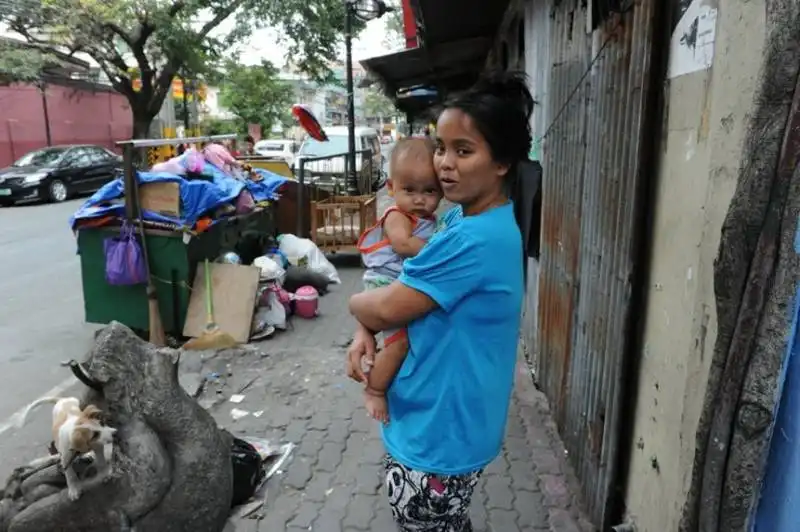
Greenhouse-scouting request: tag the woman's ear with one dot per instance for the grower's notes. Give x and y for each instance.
(501, 169)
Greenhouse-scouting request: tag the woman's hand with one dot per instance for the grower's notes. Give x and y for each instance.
(361, 353)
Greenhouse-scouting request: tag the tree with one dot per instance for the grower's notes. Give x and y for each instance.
(141, 45)
(395, 30)
(21, 65)
(255, 95)
(377, 105)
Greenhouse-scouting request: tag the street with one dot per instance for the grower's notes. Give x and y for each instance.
(41, 321)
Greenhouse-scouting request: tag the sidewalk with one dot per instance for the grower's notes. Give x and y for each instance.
(333, 482)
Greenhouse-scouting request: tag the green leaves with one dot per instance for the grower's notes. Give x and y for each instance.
(255, 95)
(141, 45)
(377, 105)
(20, 65)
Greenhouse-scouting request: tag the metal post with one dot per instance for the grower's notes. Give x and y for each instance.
(301, 185)
(129, 182)
(43, 91)
(350, 167)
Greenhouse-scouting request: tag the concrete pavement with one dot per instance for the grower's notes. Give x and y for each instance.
(296, 379)
(296, 383)
(41, 320)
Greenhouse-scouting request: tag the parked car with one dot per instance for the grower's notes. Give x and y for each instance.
(329, 173)
(55, 173)
(282, 150)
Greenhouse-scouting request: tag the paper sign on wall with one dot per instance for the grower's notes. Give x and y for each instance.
(692, 45)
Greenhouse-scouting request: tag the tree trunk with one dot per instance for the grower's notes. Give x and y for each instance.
(142, 120)
(141, 124)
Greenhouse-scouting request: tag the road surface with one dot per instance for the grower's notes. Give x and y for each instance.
(41, 321)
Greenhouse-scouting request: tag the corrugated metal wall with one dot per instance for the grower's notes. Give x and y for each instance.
(595, 103)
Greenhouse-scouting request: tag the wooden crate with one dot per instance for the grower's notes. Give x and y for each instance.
(338, 221)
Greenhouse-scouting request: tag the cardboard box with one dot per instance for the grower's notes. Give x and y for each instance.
(163, 198)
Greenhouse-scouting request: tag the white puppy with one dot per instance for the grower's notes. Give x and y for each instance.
(75, 432)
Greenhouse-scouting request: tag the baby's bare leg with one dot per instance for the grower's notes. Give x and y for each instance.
(387, 364)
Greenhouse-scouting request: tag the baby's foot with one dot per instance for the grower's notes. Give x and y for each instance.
(377, 408)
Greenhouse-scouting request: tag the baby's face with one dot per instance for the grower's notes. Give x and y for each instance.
(415, 187)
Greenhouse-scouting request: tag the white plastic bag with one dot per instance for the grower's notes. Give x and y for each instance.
(275, 313)
(270, 270)
(297, 249)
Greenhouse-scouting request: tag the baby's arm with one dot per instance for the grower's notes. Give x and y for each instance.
(399, 230)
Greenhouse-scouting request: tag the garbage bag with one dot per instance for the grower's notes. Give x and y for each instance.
(124, 259)
(303, 250)
(248, 471)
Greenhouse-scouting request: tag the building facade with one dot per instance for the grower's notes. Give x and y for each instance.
(660, 324)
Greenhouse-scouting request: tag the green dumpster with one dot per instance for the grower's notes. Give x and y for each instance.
(173, 263)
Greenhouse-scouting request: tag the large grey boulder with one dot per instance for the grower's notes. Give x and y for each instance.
(172, 465)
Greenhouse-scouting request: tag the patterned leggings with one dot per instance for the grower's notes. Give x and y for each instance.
(429, 503)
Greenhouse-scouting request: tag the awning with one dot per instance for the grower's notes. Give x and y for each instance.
(455, 40)
(447, 67)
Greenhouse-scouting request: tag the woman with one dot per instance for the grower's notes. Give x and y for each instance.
(461, 299)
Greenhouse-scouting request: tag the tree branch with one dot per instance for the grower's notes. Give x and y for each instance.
(137, 48)
(220, 17)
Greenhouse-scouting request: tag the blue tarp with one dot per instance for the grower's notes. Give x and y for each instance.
(197, 196)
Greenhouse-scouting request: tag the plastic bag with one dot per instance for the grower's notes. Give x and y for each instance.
(245, 202)
(300, 250)
(173, 166)
(273, 313)
(124, 259)
(248, 470)
(194, 161)
(270, 270)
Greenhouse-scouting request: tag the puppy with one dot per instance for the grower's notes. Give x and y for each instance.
(75, 432)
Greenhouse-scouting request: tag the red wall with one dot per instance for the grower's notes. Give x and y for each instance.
(77, 116)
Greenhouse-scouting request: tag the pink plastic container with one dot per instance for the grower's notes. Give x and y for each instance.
(306, 302)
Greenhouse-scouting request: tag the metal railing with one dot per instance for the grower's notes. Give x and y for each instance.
(327, 175)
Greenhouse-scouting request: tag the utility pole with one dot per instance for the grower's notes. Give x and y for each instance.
(351, 182)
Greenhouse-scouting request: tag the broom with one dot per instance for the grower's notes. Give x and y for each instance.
(156, 326)
(212, 337)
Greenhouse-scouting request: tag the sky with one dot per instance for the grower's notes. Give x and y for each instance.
(370, 43)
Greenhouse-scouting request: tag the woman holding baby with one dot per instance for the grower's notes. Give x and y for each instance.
(459, 299)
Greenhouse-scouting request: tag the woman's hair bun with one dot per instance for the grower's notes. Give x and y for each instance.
(511, 86)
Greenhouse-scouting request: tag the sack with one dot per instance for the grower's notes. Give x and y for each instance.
(303, 250)
(124, 259)
(248, 471)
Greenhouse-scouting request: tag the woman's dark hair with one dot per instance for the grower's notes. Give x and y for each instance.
(500, 105)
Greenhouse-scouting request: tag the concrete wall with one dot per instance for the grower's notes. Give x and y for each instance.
(704, 128)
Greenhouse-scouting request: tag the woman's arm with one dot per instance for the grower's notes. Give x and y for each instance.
(389, 307)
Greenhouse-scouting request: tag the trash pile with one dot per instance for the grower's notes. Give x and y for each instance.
(286, 281)
(189, 192)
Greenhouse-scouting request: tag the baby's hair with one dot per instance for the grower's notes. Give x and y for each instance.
(420, 147)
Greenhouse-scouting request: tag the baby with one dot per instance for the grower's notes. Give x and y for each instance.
(399, 234)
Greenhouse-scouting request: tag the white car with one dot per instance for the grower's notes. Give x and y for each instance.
(279, 149)
(328, 172)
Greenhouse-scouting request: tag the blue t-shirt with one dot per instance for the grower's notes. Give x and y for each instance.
(449, 402)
